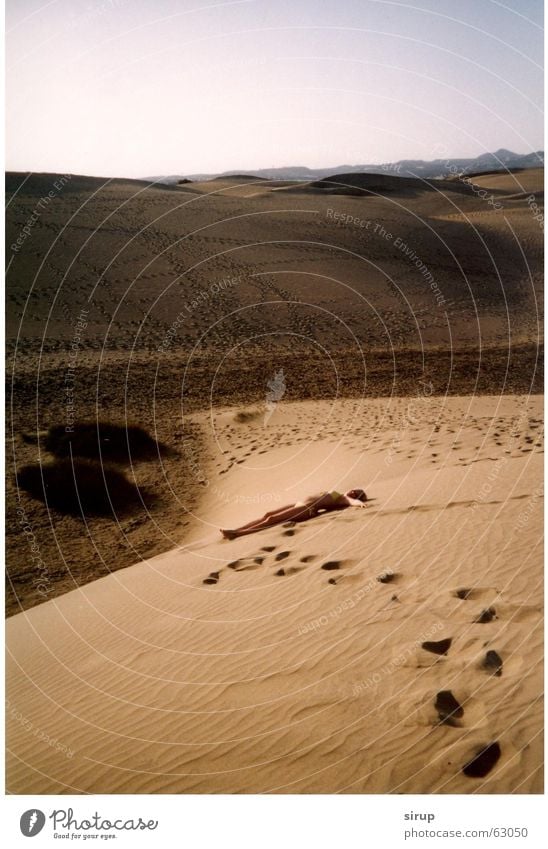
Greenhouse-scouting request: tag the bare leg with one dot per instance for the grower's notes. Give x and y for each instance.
(266, 516)
(297, 514)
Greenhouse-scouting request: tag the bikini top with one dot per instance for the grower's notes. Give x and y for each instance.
(336, 495)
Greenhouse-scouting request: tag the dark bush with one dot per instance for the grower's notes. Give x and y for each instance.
(83, 487)
(102, 440)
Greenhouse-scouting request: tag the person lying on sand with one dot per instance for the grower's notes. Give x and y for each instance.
(324, 502)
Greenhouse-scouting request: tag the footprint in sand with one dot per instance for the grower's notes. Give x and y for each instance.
(282, 555)
(486, 615)
(292, 570)
(387, 577)
(492, 663)
(288, 534)
(243, 566)
(483, 761)
(212, 578)
(268, 548)
(438, 646)
(473, 593)
(331, 565)
(307, 558)
(448, 708)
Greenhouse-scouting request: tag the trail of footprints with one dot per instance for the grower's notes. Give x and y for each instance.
(267, 557)
(493, 434)
(449, 711)
(247, 564)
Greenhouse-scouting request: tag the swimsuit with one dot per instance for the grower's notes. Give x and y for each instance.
(311, 509)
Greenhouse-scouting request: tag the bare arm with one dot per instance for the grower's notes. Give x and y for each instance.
(355, 502)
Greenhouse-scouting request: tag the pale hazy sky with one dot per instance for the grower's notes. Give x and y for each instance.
(142, 87)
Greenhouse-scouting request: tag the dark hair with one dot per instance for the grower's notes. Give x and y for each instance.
(359, 494)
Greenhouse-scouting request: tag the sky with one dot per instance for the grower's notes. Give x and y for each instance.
(152, 87)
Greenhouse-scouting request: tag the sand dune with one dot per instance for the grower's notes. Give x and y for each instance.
(403, 268)
(510, 182)
(374, 650)
(384, 272)
(381, 184)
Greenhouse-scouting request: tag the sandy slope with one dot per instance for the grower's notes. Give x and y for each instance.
(310, 680)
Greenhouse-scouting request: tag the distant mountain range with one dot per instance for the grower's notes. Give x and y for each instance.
(501, 160)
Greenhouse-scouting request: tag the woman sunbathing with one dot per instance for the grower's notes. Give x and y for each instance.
(325, 502)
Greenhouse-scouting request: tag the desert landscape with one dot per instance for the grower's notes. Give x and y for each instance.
(183, 358)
